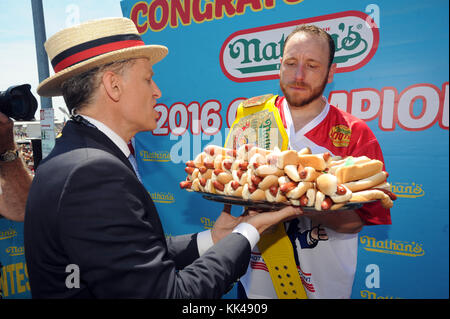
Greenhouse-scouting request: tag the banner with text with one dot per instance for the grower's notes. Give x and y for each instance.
(392, 72)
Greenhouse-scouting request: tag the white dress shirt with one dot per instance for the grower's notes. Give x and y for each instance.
(204, 239)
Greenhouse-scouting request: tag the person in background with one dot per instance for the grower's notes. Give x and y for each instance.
(91, 228)
(15, 178)
(325, 245)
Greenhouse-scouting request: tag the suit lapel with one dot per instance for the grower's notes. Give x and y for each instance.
(100, 140)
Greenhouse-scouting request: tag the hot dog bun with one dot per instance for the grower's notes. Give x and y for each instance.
(233, 188)
(316, 161)
(350, 173)
(277, 198)
(299, 190)
(289, 157)
(292, 172)
(257, 194)
(265, 170)
(268, 181)
(327, 184)
(368, 182)
(372, 194)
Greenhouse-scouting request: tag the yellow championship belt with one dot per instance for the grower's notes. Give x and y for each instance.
(258, 122)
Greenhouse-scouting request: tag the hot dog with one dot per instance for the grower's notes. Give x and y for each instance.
(327, 184)
(292, 172)
(250, 192)
(233, 188)
(265, 170)
(289, 157)
(301, 178)
(268, 181)
(372, 194)
(273, 194)
(222, 176)
(308, 174)
(299, 190)
(317, 161)
(367, 182)
(256, 160)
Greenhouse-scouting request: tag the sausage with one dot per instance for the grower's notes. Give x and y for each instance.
(285, 188)
(243, 166)
(202, 170)
(256, 180)
(202, 181)
(303, 200)
(326, 156)
(251, 188)
(327, 203)
(341, 190)
(190, 164)
(235, 185)
(185, 184)
(189, 169)
(391, 195)
(217, 171)
(218, 185)
(273, 190)
(303, 173)
(227, 165)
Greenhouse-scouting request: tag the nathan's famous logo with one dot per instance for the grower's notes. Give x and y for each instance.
(207, 223)
(156, 156)
(15, 250)
(254, 54)
(407, 190)
(340, 135)
(162, 197)
(5, 234)
(393, 247)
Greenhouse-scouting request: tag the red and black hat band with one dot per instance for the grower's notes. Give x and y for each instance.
(90, 49)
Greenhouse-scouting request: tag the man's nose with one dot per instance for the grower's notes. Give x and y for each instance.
(300, 73)
(156, 91)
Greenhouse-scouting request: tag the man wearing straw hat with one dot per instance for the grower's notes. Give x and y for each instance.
(91, 229)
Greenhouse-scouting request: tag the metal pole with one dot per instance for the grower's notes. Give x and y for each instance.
(40, 38)
(47, 115)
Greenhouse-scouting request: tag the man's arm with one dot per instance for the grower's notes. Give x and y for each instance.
(15, 180)
(346, 221)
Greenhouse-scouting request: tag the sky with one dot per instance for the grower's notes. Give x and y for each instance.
(18, 62)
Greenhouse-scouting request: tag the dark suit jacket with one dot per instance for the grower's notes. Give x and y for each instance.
(86, 207)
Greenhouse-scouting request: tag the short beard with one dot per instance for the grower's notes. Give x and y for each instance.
(316, 93)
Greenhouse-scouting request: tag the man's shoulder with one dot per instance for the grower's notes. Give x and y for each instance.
(342, 116)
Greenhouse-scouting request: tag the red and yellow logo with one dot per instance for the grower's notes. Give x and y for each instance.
(340, 135)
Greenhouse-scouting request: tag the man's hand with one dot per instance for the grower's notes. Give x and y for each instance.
(225, 224)
(265, 220)
(6, 134)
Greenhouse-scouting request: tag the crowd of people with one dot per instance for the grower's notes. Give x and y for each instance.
(26, 152)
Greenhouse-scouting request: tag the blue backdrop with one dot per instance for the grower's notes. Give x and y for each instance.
(393, 73)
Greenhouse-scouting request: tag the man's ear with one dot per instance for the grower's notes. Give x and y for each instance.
(112, 83)
(331, 72)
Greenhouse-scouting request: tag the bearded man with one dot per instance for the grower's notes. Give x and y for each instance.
(326, 259)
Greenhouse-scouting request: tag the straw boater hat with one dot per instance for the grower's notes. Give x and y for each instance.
(80, 48)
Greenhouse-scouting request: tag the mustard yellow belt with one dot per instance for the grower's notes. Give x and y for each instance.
(254, 120)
